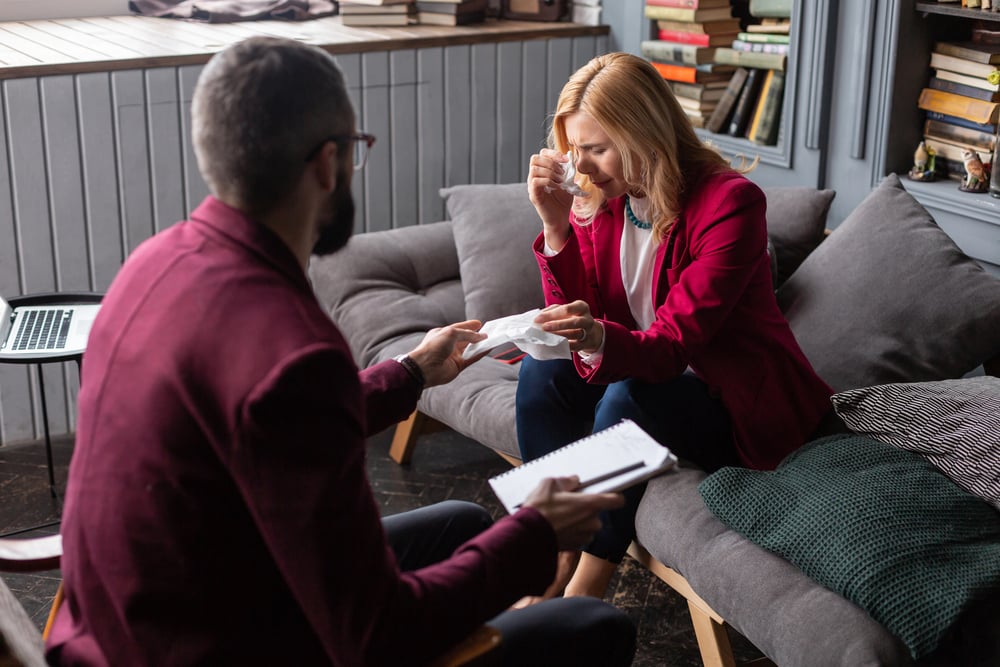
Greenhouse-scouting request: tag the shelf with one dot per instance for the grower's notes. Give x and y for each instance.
(955, 10)
(944, 194)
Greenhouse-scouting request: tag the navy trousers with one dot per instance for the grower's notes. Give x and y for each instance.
(555, 407)
(570, 632)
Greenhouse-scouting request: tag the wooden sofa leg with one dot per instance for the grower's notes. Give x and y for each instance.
(404, 440)
(713, 640)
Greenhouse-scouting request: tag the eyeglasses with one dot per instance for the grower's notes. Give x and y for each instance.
(362, 142)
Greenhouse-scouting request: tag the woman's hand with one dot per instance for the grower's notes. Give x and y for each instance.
(574, 322)
(545, 175)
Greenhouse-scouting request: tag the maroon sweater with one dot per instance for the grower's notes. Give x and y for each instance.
(217, 509)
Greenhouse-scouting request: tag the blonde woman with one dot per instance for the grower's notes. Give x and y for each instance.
(659, 277)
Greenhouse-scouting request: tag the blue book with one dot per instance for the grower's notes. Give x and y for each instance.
(954, 120)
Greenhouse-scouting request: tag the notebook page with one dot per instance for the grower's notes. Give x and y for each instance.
(623, 447)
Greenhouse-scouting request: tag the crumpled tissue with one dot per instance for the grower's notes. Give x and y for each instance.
(521, 330)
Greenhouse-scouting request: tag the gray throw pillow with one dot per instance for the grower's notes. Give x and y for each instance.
(796, 224)
(494, 227)
(889, 297)
(954, 424)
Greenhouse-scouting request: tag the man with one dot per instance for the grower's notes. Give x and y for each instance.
(217, 508)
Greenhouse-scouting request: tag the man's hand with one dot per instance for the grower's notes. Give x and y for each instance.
(573, 515)
(439, 354)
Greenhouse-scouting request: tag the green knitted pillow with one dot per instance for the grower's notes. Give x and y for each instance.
(879, 525)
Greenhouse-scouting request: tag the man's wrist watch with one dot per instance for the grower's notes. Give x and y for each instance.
(413, 368)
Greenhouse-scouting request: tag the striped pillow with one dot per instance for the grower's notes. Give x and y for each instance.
(954, 424)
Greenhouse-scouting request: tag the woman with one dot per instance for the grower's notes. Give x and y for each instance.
(661, 281)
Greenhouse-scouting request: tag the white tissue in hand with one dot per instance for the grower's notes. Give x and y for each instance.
(521, 330)
(569, 178)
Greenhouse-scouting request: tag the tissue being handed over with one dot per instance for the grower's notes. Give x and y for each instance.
(521, 330)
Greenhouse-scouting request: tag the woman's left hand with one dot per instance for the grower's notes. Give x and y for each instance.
(574, 322)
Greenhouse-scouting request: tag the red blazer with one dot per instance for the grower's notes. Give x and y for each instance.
(715, 313)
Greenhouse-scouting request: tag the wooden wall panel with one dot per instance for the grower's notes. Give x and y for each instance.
(484, 114)
(163, 129)
(403, 138)
(458, 114)
(195, 189)
(100, 178)
(135, 194)
(375, 105)
(93, 164)
(430, 133)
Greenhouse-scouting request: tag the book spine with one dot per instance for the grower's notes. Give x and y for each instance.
(978, 111)
(976, 55)
(671, 13)
(758, 109)
(745, 103)
(671, 52)
(763, 37)
(676, 72)
(951, 151)
(693, 91)
(780, 9)
(961, 89)
(766, 132)
(685, 4)
(935, 129)
(759, 47)
(961, 122)
(770, 61)
(961, 65)
(724, 109)
(682, 37)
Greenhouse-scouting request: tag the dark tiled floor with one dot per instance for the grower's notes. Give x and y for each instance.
(445, 465)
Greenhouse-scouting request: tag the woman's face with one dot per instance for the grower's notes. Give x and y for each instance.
(596, 155)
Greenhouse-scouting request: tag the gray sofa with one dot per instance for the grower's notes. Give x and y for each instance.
(887, 297)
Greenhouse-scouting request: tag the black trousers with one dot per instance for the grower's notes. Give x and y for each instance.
(565, 631)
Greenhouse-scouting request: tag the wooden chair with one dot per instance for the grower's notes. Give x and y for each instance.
(20, 641)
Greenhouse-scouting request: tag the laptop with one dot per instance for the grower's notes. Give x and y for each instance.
(56, 329)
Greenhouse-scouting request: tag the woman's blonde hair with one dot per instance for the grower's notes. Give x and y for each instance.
(659, 149)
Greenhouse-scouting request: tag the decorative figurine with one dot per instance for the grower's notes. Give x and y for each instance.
(923, 164)
(977, 176)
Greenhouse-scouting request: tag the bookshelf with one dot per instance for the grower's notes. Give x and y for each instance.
(961, 12)
(972, 220)
(777, 157)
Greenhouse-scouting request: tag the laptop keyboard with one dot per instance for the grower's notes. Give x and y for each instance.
(43, 330)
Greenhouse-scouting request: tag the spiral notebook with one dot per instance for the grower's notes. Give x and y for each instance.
(610, 460)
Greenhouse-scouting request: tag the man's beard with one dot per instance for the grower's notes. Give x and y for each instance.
(334, 234)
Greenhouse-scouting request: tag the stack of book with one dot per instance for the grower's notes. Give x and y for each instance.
(961, 100)
(451, 12)
(375, 12)
(690, 31)
(752, 103)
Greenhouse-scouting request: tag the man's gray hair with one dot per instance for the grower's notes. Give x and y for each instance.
(259, 109)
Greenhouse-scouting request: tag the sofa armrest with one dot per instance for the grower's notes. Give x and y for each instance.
(389, 284)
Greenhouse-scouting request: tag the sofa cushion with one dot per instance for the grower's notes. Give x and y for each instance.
(389, 284)
(954, 424)
(879, 525)
(783, 612)
(889, 297)
(495, 226)
(796, 224)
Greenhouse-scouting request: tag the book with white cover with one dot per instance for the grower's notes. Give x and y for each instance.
(610, 460)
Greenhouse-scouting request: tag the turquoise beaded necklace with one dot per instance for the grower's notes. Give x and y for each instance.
(634, 220)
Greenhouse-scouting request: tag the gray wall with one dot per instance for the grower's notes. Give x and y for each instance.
(93, 164)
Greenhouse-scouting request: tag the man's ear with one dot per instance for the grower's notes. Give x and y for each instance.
(324, 166)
